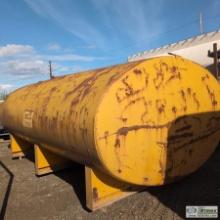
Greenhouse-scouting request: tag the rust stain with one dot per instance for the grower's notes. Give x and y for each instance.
(189, 91)
(161, 108)
(128, 89)
(106, 134)
(173, 69)
(160, 105)
(137, 71)
(117, 142)
(144, 114)
(174, 110)
(53, 89)
(146, 80)
(84, 132)
(45, 104)
(212, 97)
(125, 130)
(182, 93)
(134, 101)
(85, 86)
(95, 194)
(124, 120)
(122, 71)
(183, 96)
(196, 100)
(117, 97)
(145, 179)
(205, 77)
(114, 78)
(158, 81)
(74, 102)
(175, 74)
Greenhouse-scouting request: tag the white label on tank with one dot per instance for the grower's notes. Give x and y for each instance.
(28, 118)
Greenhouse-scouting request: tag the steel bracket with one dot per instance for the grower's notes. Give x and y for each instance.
(48, 162)
(103, 190)
(19, 147)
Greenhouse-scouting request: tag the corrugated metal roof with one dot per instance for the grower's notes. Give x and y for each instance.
(190, 42)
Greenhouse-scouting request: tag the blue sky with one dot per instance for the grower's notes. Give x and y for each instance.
(86, 34)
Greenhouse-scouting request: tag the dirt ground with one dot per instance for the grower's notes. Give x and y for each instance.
(61, 195)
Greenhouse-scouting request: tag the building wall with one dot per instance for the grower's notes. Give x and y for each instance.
(195, 49)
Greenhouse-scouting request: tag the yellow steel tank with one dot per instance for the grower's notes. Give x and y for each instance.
(148, 122)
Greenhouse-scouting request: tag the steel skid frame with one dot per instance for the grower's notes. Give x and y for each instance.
(101, 190)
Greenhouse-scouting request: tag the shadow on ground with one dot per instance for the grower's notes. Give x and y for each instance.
(8, 190)
(75, 176)
(200, 188)
(166, 202)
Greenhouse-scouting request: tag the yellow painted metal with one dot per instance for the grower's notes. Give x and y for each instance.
(48, 162)
(19, 147)
(102, 190)
(147, 123)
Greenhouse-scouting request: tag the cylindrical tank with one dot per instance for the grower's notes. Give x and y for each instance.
(147, 123)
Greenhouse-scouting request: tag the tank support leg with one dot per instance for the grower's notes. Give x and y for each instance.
(102, 190)
(48, 162)
(19, 147)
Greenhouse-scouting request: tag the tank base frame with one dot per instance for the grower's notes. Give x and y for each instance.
(19, 148)
(101, 189)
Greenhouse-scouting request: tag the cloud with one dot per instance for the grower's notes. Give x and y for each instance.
(137, 19)
(6, 86)
(24, 68)
(68, 17)
(54, 47)
(24, 62)
(15, 49)
(106, 21)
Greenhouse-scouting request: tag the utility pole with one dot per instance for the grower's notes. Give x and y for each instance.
(201, 23)
(50, 70)
(216, 56)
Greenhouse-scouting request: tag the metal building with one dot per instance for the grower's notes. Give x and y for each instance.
(197, 49)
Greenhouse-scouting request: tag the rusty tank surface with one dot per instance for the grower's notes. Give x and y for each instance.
(148, 122)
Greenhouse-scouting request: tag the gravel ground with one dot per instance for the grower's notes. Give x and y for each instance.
(61, 195)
